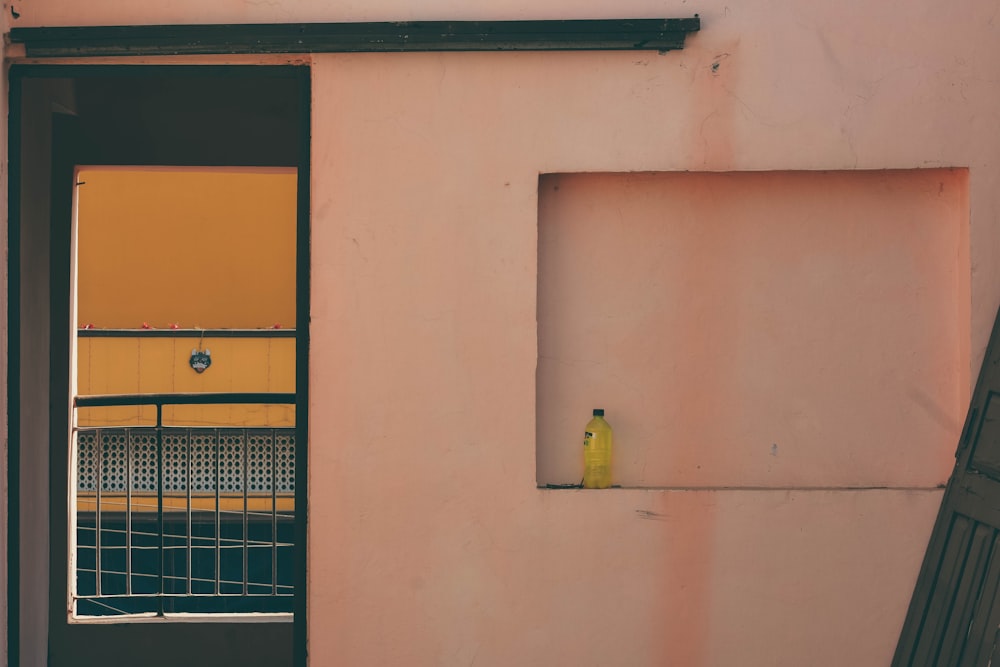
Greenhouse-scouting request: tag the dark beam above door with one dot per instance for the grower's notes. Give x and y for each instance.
(555, 35)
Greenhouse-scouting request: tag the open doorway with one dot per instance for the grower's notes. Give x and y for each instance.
(150, 524)
(185, 293)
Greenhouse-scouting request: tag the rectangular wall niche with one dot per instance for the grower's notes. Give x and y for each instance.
(774, 329)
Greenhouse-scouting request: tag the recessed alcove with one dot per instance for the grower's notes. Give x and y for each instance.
(754, 329)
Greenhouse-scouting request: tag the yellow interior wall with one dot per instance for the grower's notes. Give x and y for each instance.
(195, 248)
(160, 366)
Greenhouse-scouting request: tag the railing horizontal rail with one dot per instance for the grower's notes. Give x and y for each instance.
(107, 400)
(186, 333)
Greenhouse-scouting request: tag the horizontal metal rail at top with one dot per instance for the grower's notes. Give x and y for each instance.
(106, 400)
(655, 34)
(249, 588)
(186, 333)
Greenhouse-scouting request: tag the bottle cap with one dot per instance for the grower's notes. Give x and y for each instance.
(598, 412)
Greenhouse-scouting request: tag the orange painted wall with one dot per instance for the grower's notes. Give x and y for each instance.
(201, 248)
(160, 365)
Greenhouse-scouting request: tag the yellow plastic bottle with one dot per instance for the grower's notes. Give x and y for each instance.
(598, 441)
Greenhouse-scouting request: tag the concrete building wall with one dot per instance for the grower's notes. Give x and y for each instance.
(429, 541)
(449, 554)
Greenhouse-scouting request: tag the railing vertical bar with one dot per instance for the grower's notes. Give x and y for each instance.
(187, 485)
(128, 511)
(246, 509)
(274, 512)
(218, 511)
(159, 500)
(99, 477)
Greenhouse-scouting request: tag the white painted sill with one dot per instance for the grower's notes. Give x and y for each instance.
(182, 618)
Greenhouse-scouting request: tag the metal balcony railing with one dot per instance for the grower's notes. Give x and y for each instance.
(173, 519)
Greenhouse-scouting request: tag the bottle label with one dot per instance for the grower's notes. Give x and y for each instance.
(587, 437)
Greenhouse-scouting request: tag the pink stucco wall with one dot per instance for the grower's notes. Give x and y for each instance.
(429, 542)
(426, 248)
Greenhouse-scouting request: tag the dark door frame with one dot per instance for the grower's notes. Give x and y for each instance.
(59, 348)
